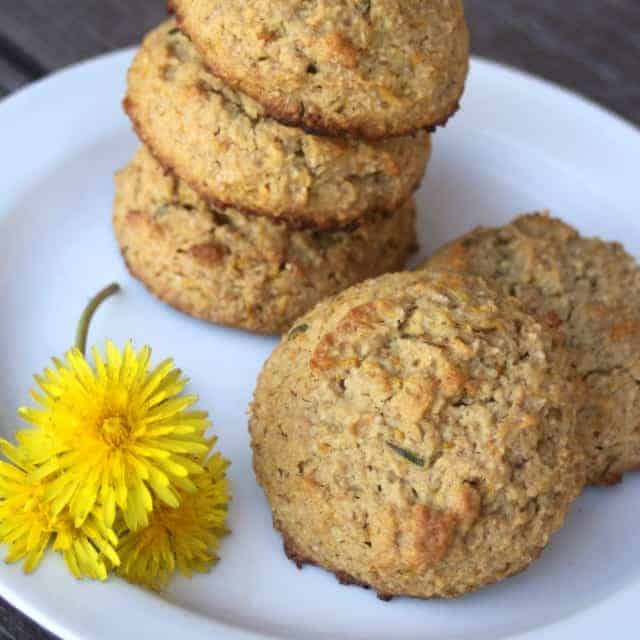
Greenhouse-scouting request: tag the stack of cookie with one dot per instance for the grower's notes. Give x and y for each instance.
(282, 142)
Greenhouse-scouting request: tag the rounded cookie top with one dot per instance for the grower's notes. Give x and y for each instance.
(221, 143)
(367, 68)
(590, 289)
(243, 271)
(416, 434)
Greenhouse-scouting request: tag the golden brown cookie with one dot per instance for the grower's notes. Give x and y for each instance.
(590, 289)
(416, 434)
(221, 144)
(365, 68)
(243, 271)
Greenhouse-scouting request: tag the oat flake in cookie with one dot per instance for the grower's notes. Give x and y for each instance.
(244, 271)
(416, 434)
(590, 289)
(365, 68)
(221, 144)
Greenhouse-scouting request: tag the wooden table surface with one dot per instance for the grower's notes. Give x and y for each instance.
(591, 46)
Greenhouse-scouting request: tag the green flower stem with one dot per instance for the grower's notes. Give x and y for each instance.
(85, 319)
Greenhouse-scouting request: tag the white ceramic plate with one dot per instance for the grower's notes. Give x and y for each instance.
(518, 144)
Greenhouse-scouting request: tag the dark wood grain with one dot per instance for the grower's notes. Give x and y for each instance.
(11, 77)
(591, 46)
(56, 33)
(15, 626)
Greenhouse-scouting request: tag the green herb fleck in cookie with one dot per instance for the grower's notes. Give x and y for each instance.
(407, 455)
(296, 331)
(363, 7)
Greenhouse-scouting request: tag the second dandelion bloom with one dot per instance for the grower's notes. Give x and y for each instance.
(184, 539)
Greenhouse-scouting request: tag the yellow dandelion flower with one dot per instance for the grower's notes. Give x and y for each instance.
(183, 539)
(28, 526)
(114, 441)
(89, 550)
(117, 434)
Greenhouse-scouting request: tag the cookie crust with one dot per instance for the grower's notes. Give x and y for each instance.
(590, 290)
(223, 145)
(242, 271)
(416, 434)
(360, 68)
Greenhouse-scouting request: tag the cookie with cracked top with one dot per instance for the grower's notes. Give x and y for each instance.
(590, 290)
(223, 145)
(244, 271)
(365, 68)
(416, 434)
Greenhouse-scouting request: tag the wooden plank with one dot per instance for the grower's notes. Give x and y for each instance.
(15, 626)
(12, 77)
(59, 33)
(592, 47)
